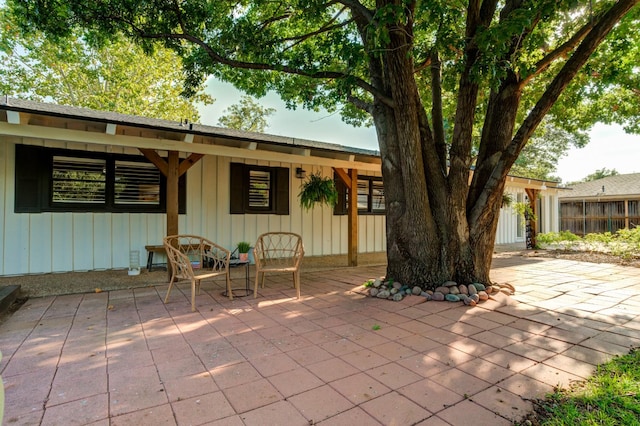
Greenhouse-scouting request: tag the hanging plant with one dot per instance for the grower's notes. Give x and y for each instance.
(507, 200)
(318, 189)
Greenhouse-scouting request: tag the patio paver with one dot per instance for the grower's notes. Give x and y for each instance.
(334, 357)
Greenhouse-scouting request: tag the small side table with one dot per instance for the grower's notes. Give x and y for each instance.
(234, 263)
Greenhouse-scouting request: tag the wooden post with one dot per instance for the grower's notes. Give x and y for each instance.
(352, 227)
(533, 198)
(172, 193)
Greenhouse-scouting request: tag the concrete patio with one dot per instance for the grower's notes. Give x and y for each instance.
(335, 357)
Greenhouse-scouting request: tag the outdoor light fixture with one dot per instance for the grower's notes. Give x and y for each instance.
(301, 173)
(544, 186)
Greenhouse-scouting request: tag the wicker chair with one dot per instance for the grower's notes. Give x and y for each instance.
(195, 259)
(278, 252)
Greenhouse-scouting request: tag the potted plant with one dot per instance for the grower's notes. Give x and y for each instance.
(318, 189)
(243, 251)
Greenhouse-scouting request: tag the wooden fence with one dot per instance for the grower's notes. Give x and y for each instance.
(585, 217)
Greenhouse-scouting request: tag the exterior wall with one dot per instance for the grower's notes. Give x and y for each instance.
(62, 242)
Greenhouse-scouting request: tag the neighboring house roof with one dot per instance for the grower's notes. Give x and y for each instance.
(617, 186)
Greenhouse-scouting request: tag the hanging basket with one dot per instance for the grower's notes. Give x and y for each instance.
(318, 190)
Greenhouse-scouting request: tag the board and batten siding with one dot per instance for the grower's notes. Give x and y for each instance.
(63, 242)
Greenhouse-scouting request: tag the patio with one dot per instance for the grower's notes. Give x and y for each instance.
(335, 357)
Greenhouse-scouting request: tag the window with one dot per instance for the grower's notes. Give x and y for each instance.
(259, 189)
(137, 183)
(77, 181)
(370, 196)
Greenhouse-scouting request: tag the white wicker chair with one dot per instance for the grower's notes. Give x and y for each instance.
(278, 252)
(195, 259)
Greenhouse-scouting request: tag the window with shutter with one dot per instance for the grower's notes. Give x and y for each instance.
(370, 196)
(259, 189)
(59, 180)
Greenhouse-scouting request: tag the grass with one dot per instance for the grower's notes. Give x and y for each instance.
(610, 397)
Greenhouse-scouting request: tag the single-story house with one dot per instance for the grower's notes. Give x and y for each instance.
(80, 189)
(602, 205)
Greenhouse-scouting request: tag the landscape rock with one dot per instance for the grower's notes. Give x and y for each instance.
(416, 290)
(383, 294)
(442, 289)
(438, 296)
(393, 290)
(483, 295)
(450, 284)
(479, 286)
(452, 297)
(463, 289)
(472, 289)
(377, 283)
(397, 297)
(373, 291)
(397, 285)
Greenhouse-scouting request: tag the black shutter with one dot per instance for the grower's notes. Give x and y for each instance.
(341, 205)
(282, 191)
(237, 188)
(182, 194)
(32, 171)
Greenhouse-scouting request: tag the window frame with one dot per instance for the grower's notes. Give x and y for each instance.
(239, 189)
(342, 206)
(34, 183)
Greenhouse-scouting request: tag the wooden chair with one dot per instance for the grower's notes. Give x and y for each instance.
(278, 252)
(195, 259)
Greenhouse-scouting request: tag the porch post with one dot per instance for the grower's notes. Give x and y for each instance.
(350, 181)
(352, 255)
(532, 231)
(172, 192)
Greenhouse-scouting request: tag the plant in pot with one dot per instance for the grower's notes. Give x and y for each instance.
(318, 189)
(243, 251)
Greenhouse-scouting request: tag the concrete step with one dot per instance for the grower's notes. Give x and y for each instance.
(8, 294)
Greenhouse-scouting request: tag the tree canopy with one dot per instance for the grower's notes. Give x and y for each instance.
(448, 85)
(246, 115)
(113, 76)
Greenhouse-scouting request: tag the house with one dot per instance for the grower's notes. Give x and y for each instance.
(602, 205)
(80, 189)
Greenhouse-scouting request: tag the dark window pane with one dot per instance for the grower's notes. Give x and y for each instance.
(78, 180)
(137, 183)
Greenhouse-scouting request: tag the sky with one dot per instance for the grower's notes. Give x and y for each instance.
(610, 146)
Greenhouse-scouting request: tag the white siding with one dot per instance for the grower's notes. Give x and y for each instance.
(58, 242)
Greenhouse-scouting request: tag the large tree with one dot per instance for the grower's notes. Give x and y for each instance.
(448, 84)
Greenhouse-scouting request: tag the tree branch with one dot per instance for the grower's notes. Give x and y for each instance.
(560, 51)
(436, 109)
(590, 42)
(359, 103)
(216, 57)
(358, 8)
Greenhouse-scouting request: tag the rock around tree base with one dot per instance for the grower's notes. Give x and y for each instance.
(450, 291)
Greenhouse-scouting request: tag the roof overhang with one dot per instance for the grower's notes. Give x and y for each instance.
(41, 121)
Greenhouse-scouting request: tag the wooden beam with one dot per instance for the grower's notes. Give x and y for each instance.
(153, 156)
(13, 117)
(188, 162)
(352, 226)
(344, 176)
(83, 137)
